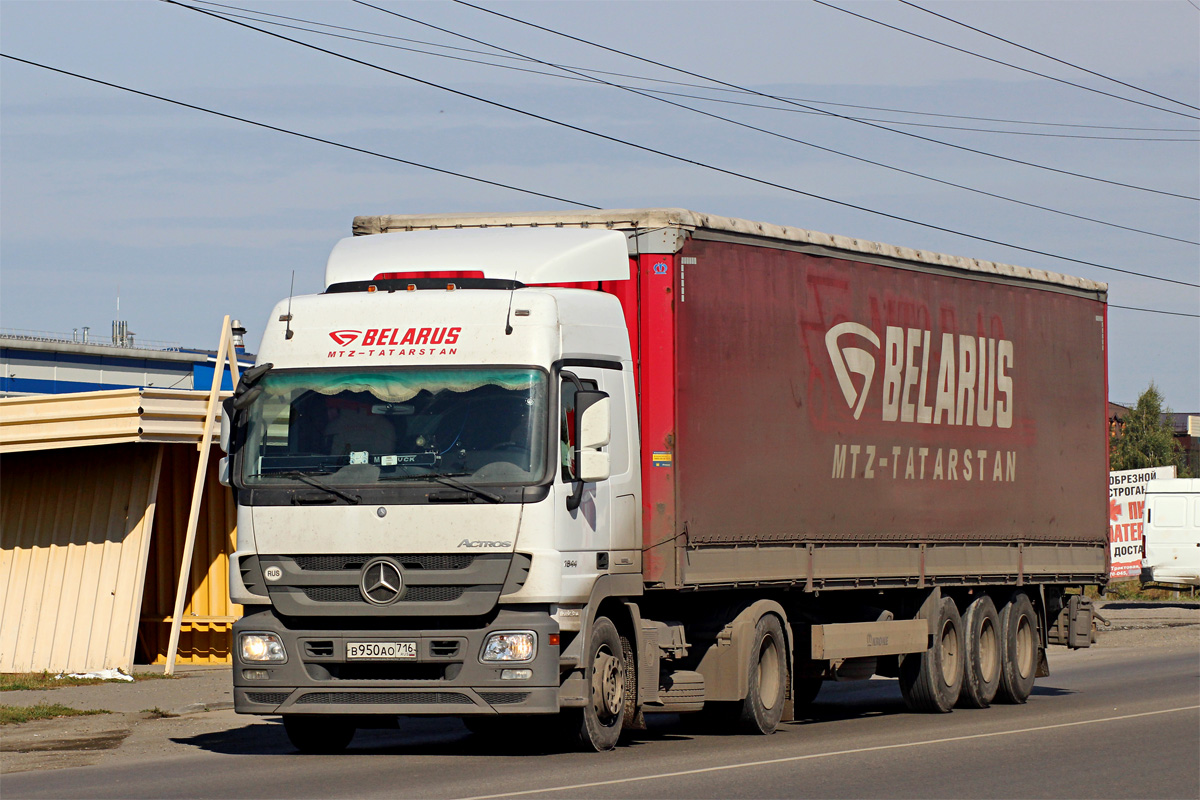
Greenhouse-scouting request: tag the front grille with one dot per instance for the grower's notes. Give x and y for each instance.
(504, 698)
(340, 563)
(268, 698)
(367, 698)
(389, 671)
(319, 649)
(443, 648)
(414, 594)
(333, 594)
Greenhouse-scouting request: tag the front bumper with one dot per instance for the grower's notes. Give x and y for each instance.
(446, 677)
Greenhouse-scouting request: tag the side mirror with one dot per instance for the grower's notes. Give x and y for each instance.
(223, 471)
(226, 424)
(594, 429)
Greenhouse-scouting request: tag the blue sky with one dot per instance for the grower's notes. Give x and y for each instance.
(188, 216)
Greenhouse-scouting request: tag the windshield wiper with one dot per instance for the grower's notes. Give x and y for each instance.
(447, 479)
(319, 484)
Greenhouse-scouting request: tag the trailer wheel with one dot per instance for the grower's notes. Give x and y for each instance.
(931, 681)
(763, 707)
(1019, 639)
(984, 654)
(597, 726)
(315, 734)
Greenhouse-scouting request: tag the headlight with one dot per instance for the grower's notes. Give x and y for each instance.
(263, 648)
(510, 646)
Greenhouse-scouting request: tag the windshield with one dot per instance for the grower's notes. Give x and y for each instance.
(405, 424)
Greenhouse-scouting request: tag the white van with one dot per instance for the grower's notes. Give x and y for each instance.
(1171, 532)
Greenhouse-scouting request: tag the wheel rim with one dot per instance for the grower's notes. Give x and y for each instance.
(1024, 647)
(989, 652)
(608, 685)
(950, 653)
(768, 672)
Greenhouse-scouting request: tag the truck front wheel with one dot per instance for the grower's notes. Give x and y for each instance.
(318, 734)
(598, 724)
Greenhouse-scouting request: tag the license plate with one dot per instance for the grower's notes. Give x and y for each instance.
(384, 651)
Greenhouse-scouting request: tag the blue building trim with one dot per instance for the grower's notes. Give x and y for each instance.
(35, 386)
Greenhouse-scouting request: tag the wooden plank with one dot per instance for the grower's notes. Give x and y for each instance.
(197, 490)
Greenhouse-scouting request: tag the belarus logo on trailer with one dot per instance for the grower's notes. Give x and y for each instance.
(939, 379)
(344, 337)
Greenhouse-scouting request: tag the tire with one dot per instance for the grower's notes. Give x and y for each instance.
(981, 679)
(1019, 640)
(323, 735)
(932, 681)
(763, 707)
(597, 726)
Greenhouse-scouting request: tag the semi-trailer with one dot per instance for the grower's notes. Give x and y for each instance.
(581, 467)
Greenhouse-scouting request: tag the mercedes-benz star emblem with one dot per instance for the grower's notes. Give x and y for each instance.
(381, 583)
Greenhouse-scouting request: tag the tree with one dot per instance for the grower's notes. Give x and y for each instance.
(1146, 439)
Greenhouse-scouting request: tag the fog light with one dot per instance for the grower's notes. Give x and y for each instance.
(516, 674)
(255, 674)
(510, 646)
(262, 647)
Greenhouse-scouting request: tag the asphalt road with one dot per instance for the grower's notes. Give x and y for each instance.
(1115, 721)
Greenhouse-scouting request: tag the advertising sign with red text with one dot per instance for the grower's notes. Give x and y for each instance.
(1126, 503)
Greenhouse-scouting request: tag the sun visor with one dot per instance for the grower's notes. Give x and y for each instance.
(528, 255)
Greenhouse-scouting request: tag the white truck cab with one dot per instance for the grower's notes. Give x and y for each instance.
(435, 468)
(1171, 532)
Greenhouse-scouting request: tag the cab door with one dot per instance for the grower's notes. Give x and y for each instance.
(599, 536)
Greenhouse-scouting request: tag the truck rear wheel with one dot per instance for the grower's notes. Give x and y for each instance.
(318, 734)
(984, 654)
(1019, 640)
(598, 724)
(931, 681)
(763, 707)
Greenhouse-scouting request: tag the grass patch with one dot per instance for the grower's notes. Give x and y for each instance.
(24, 681)
(1134, 590)
(15, 715)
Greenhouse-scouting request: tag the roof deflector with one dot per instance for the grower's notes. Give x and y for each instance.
(527, 255)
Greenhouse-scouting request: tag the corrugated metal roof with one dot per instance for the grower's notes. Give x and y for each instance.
(42, 422)
(649, 218)
(73, 563)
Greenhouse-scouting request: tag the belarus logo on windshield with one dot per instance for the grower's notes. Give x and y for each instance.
(344, 337)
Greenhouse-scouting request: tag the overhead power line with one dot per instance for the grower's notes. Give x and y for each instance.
(776, 134)
(811, 108)
(290, 132)
(1052, 58)
(363, 151)
(259, 16)
(591, 71)
(672, 156)
(1155, 311)
(1002, 63)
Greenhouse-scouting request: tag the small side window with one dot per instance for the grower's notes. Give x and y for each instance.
(567, 427)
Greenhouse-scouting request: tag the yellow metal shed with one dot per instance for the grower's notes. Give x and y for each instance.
(95, 490)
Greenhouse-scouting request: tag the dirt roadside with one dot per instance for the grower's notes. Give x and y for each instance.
(157, 718)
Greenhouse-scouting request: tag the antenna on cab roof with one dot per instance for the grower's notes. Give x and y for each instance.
(287, 318)
(508, 314)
